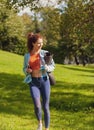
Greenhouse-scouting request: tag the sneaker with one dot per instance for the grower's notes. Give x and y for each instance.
(39, 127)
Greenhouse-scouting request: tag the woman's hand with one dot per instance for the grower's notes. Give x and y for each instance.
(46, 67)
(29, 70)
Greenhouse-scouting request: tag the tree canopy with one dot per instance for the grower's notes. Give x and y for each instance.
(67, 27)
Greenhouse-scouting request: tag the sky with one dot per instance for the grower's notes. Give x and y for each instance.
(25, 10)
(43, 4)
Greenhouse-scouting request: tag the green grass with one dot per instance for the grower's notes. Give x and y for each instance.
(72, 98)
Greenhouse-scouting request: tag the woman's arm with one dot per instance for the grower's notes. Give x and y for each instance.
(50, 67)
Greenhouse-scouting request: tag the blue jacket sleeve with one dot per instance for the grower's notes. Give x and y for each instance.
(49, 67)
(25, 64)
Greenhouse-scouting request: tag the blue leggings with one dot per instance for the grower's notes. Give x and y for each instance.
(41, 87)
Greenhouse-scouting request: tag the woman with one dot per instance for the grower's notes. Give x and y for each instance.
(36, 70)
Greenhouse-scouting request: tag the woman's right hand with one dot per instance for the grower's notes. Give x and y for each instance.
(29, 70)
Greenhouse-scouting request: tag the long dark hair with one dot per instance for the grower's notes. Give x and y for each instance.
(32, 38)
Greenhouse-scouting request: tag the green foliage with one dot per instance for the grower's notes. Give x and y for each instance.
(77, 29)
(68, 32)
(51, 25)
(11, 30)
(72, 98)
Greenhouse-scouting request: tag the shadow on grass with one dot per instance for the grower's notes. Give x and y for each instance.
(60, 85)
(15, 96)
(91, 69)
(72, 98)
(87, 75)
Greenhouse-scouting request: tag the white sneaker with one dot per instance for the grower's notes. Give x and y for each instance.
(39, 127)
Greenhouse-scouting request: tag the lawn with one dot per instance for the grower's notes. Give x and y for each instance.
(72, 98)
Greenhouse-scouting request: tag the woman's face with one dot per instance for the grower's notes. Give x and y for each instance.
(38, 45)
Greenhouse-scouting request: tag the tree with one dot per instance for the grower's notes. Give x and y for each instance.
(51, 25)
(68, 31)
(11, 29)
(77, 27)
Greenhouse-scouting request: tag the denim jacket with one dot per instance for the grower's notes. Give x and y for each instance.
(28, 77)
